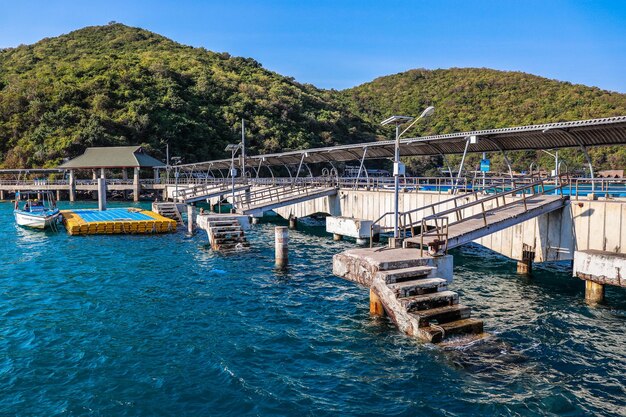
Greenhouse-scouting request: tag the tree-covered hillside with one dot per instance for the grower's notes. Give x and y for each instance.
(468, 99)
(117, 85)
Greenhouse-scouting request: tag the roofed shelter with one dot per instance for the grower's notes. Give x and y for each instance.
(114, 157)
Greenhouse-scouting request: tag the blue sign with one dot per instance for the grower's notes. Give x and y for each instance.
(485, 165)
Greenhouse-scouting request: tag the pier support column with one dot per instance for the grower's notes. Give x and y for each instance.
(525, 266)
(376, 306)
(125, 178)
(293, 223)
(1, 194)
(94, 177)
(102, 194)
(395, 242)
(255, 220)
(337, 237)
(594, 292)
(72, 186)
(58, 195)
(136, 185)
(281, 242)
(191, 215)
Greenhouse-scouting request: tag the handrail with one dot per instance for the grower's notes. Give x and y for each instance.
(563, 181)
(458, 210)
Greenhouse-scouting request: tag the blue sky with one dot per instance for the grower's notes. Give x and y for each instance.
(340, 44)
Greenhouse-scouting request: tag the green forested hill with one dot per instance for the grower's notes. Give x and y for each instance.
(468, 99)
(116, 85)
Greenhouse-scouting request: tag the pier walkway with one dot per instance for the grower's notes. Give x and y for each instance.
(270, 198)
(207, 191)
(488, 214)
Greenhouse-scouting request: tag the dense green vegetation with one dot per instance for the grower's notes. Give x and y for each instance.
(117, 85)
(477, 98)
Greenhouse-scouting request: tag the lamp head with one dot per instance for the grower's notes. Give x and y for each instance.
(428, 111)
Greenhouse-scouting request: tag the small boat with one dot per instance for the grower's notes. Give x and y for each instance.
(38, 211)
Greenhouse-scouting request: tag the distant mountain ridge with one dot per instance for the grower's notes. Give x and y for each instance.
(118, 85)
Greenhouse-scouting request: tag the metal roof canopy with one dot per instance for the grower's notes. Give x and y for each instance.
(113, 157)
(593, 132)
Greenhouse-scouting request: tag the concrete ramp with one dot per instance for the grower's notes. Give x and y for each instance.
(465, 230)
(256, 203)
(207, 191)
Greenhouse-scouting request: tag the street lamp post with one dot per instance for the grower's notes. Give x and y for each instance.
(398, 167)
(233, 148)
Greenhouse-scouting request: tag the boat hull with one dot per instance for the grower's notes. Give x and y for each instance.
(34, 221)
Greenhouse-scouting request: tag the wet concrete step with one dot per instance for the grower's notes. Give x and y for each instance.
(418, 287)
(465, 326)
(405, 274)
(442, 314)
(429, 301)
(437, 333)
(228, 240)
(232, 232)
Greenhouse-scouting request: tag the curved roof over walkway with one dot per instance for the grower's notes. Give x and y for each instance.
(594, 132)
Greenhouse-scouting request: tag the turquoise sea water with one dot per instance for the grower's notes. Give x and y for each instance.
(162, 326)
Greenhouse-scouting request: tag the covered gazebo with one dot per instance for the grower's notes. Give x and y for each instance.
(114, 157)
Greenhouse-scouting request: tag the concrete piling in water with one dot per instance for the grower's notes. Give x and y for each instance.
(102, 194)
(255, 220)
(1, 194)
(281, 242)
(191, 215)
(293, 223)
(72, 186)
(376, 306)
(594, 292)
(58, 195)
(525, 266)
(337, 237)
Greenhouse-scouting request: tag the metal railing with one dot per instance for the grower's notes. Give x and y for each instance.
(406, 222)
(276, 194)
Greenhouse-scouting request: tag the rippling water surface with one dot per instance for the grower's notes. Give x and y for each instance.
(162, 326)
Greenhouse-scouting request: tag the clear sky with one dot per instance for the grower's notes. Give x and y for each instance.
(340, 44)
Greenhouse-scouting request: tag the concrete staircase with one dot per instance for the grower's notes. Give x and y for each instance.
(412, 290)
(169, 210)
(226, 235)
(421, 304)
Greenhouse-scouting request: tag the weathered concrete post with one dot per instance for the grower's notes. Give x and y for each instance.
(1, 194)
(125, 178)
(58, 195)
(525, 266)
(102, 192)
(594, 292)
(293, 223)
(376, 306)
(337, 237)
(72, 186)
(94, 177)
(281, 241)
(191, 215)
(255, 220)
(136, 185)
